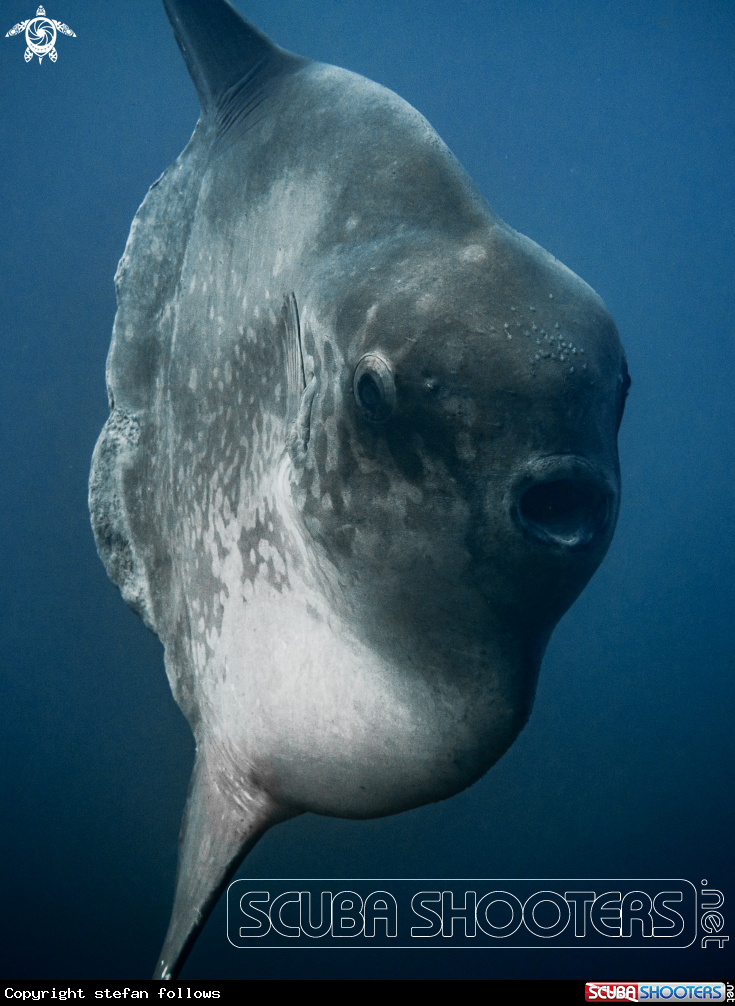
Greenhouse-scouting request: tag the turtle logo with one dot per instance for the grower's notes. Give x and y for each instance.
(40, 35)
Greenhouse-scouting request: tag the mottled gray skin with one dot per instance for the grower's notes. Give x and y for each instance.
(354, 608)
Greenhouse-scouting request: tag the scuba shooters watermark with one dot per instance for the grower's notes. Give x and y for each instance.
(472, 913)
(657, 991)
(40, 33)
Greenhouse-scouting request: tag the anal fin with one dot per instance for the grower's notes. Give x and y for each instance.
(218, 830)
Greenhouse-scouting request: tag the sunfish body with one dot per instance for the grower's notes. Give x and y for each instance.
(361, 455)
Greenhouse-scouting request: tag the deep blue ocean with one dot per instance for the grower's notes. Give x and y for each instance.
(606, 132)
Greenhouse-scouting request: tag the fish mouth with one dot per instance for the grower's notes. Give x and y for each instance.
(564, 501)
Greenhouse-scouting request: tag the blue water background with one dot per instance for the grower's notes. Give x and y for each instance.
(603, 131)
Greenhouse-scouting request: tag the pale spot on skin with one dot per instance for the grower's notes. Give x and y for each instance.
(193, 379)
(472, 253)
(331, 462)
(465, 447)
(352, 223)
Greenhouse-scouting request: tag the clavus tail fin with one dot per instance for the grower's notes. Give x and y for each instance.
(222, 822)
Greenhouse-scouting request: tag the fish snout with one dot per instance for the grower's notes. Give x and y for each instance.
(564, 501)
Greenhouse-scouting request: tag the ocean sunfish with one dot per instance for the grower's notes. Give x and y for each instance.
(361, 454)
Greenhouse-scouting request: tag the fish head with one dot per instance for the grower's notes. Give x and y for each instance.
(462, 468)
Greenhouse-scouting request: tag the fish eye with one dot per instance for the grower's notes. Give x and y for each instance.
(374, 387)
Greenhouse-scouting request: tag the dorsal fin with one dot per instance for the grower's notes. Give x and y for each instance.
(223, 51)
